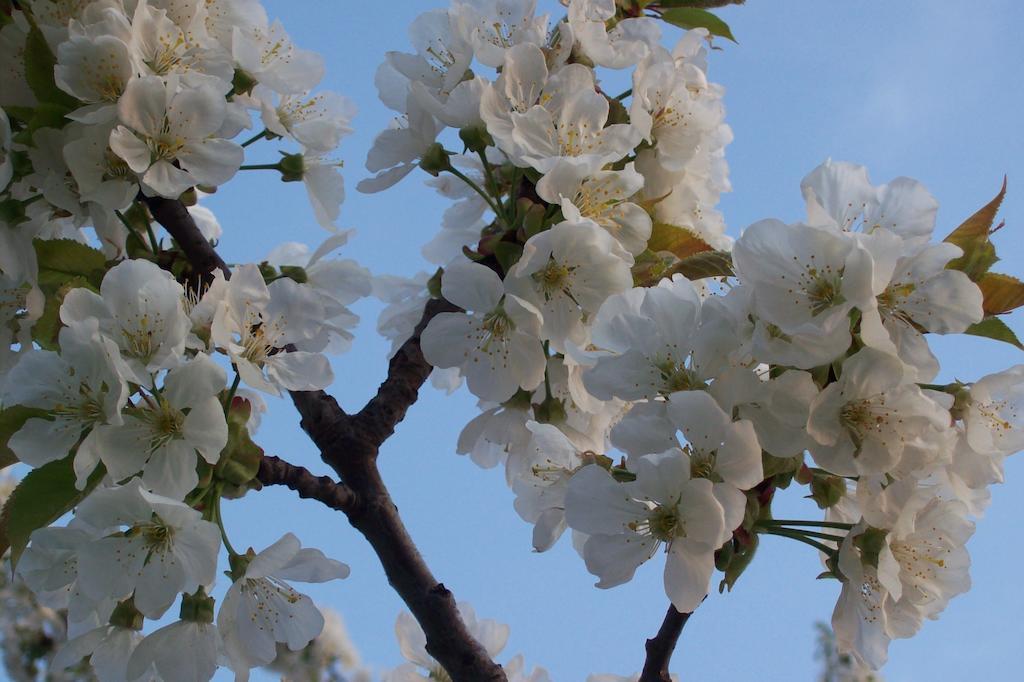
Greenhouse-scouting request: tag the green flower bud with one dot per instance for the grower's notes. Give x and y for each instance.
(294, 272)
(476, 139)
(436, 160)
(243, 82)
(292, 167)
(197, 607)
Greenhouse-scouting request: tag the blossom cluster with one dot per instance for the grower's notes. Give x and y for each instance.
(115, 365)
(607, 313)
(645, 380)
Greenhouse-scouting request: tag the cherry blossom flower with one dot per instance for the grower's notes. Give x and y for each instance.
(261, 609)
(497, 348)
(164, 125)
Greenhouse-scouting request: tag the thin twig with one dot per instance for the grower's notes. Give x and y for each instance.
(660, 647)
(333, 494)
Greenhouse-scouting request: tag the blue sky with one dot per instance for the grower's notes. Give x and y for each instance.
(920, 88)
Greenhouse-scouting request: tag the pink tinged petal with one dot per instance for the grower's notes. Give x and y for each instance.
(688, 570)
(615, 558)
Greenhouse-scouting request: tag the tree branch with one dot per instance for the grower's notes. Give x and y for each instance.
(660, 647)
(349, 444)
(276, 471)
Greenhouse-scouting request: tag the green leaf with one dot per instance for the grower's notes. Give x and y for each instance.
(679, 241)
(1002, 293)
(39, 63)
(691, 17)
(11, 420)
(61, 260)
(973, 237)
(994, 328)
(42, 497)
(707, 264)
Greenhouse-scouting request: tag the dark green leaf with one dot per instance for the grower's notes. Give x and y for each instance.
(691, 17)
(61, 260)
(994, 328)
(42, 497)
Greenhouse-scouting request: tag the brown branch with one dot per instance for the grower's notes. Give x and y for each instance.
(349, 444)
(178, 222)
(276, 471)
(660, 647)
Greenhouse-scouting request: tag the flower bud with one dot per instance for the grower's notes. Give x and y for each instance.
(476, 139)
(292, 167)
(436, 160)
(197, 607)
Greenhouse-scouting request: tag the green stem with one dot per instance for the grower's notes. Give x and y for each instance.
(220, 522)
(476, 188)
(153, 244)
(809, 524)
(232, 391)
(799, 538)
(624, 95)
(255, 138)
(261, 166)
(32, 200)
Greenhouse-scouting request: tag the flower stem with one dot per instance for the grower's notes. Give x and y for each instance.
(810, 524)
(795, 535)
(476, 188)
(220, 521)
(261, 166)
(255, 138)
(232, 391)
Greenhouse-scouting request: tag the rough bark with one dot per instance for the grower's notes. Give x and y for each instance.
(331, 493)
(660, 647)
